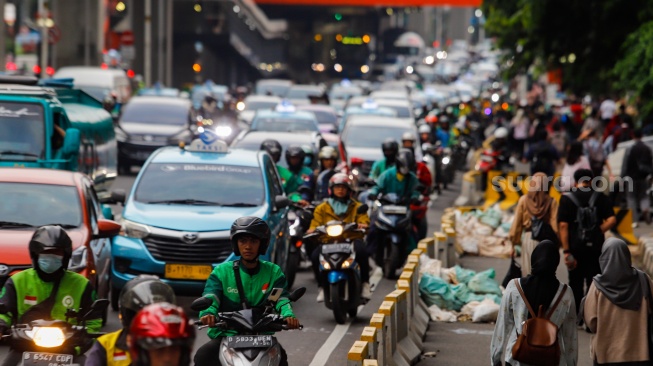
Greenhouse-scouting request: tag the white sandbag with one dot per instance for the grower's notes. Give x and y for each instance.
(439, 315)
(483, 230)
(430, 266)
(486, 312)
(469, 244)
(449, 275)
(469, 308)
(500, 232)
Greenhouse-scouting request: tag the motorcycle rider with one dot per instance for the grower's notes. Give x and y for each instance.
(340, 206)
(111, 349)
(390, 149)
(425, 134)
(273, 147)
(47, 290)
(426, 180)
(442, 133)
(328, 158)
(250, 237)
(301, 176)
(161, 335)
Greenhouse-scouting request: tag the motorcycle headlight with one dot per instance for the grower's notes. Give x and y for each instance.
(324, 263)
(334, 230)
(48, 337)
(240, 106)
(445, 160)
(134, 230)
(78, 260)
(223, 131)
(348, 262)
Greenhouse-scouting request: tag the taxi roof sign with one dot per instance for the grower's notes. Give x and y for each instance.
(208, 142)
(285, 107)
(369, 104)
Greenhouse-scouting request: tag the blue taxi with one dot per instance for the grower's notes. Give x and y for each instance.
(177, 217)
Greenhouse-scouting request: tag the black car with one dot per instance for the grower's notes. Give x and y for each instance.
(150, 122)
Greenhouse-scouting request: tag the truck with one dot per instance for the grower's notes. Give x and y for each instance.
(49, 124)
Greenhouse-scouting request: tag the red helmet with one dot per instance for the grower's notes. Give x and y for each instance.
(157, 326)
(431, 118)
(340, 179)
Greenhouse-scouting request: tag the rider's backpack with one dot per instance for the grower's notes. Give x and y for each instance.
(586, 218)
(538, 342)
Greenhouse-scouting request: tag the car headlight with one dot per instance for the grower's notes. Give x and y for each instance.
(334, 230)
(48, 337)
(78, 260)
(134, 230)
(223, 131)
(240, 106)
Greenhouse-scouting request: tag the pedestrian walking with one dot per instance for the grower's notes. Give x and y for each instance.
(616, 309)
(541, 288)
(638, 166)
(542, 155)
(584, 216)
(536, 205)
(575, 160)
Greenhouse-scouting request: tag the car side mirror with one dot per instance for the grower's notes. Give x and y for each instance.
(107, 228)
(97, 309)
(118, 196)
(71, 142)
(297, 294)
(281, 202)
(201, 303)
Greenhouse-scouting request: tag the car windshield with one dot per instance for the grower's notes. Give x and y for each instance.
(284, 125)
(279, 90)
(371, 136)
(325, 117)
(22, 131)
(302, 93)
(96, 92)
(402, 111)
(34, 205)
(256, 105)
(201, 184)
(155, 113)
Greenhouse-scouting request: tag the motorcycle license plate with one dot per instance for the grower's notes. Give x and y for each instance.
(188, 271)
(336, 248)
(395, 210)
(245, 341)
(487, 159)
(46, 359)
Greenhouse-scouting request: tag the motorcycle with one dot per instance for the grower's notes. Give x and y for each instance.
(392, 219)
(339, 268)
(444, 165)
(54, 342)
(300, 220)
(253, 345)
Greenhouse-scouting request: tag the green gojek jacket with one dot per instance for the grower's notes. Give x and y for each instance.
(378, 168)
(296, 180)
(221, 287)
(389, 183)
(25, 289)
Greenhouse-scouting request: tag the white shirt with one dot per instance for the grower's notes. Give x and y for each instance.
(607, 109)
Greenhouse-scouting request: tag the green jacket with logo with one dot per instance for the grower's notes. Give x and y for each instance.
(378, 168)
(222, 288)
(296, 180)
(389, 183)
(25, 289)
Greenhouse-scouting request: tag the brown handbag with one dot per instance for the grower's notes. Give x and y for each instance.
(538, 342)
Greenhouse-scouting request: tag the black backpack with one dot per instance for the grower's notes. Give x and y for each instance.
(586, 217)
(542, 158)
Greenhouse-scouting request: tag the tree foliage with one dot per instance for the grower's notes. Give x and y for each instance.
(553, 33)
(634, 71)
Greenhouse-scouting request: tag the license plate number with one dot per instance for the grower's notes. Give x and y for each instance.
(336, 248)
(395, 210)
(245, 341)
(46, 359)
(487, 159)
(188, 271)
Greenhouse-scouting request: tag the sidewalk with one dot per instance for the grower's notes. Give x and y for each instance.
(468, 344)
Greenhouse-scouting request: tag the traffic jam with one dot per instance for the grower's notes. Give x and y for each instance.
(263, 219)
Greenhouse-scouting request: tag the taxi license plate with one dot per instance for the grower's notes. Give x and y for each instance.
(46, 359)
(336, 248)
(188, 271)
(245, 341)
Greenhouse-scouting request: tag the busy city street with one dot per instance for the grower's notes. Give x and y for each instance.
(326, 182)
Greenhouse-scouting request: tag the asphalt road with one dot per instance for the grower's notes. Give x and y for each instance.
(321, 342)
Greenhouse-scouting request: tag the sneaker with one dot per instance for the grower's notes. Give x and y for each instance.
(320, 295)
(366, 291)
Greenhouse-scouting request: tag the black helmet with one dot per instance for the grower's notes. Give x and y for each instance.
(295, 151)
(50, 238)
(390, 148)
(140, 292)
(406, 162)
(251, 225)
(273, 147)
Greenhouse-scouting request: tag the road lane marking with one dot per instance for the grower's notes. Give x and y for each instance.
(323, 354)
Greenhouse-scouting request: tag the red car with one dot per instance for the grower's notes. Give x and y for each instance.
(35, 197)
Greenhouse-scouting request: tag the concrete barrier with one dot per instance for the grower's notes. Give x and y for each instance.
(440, 246)
(406, 347)
(388, 308)
(451, 247)
(427, 245)
(371, 363)
(417, 327)
(383, 339)
(369, 335)
(357, 353)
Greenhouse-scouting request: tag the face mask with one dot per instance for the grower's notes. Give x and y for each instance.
(403, 170)
(308, 161)
(50, 263)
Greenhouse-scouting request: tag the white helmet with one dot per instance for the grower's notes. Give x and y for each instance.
(501, 133)
(424, 129)
(408, 136)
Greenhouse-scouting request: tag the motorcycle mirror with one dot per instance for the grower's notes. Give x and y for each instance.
(362, 209)
(97, 309)
(297, 294)
(201, 303)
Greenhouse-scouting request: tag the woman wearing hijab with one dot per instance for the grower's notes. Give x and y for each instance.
(616, 309)
(541, 288)
(536, 203)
